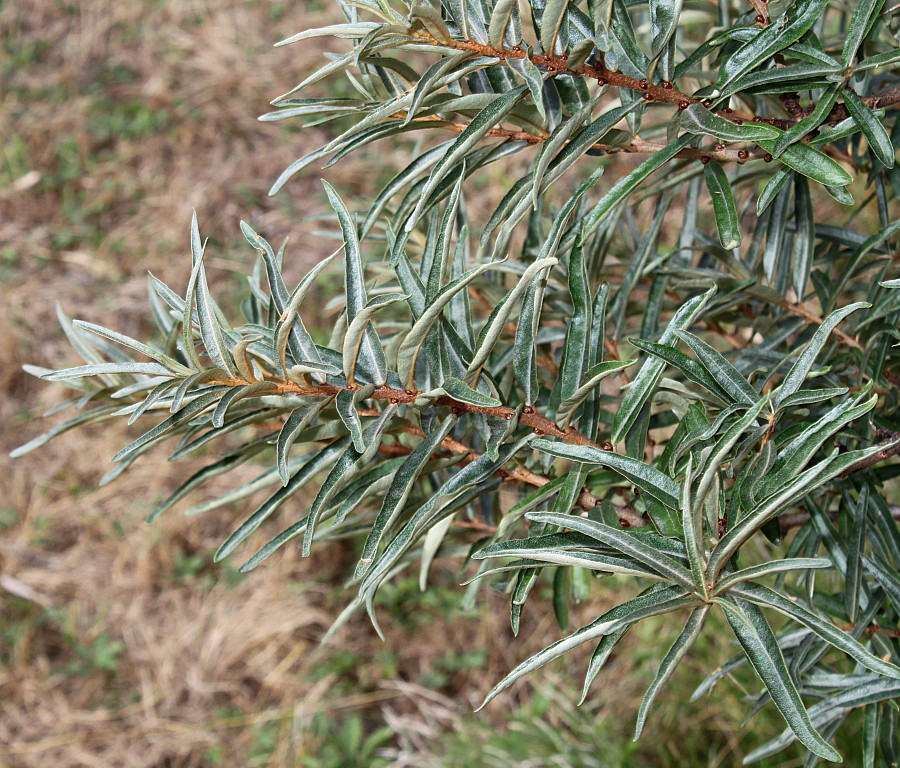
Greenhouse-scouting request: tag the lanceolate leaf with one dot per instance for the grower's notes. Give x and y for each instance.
(651, 603)
(643, 384)
(761, 595)
(871, 126)
(724, 206)
(676, 653)
(761, 646)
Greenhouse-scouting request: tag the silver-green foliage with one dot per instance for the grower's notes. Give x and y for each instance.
(660, 387)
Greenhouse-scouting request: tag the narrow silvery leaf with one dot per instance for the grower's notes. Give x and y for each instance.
(236, 394)
(649, 479)
(724, 207)
(643, 384)
(698, 119)
(462, 392)
(761, 646)
(312, 466)
(788, 28)
(353, 339)
(622, 542)
(772, 188)
(468, 138)
(495, 328)
(578, 327)
(764, 596)
(859, 25)
(299, 419)
(210, 329)
(345, 402)
(664, 15)
(173, 365)
(800, 370)
(359, 29)
(651, 603)
(81, 371)
(687, 365)
(370, 351)
(399, 491)
(692, 528)
(871, 126)
(776, 566)
(802, 158)
(500, 17)
(805, 236)
(554, 13)
(524, 352)
(791, 493)
(626, 185)
(409, 348)
(675, 654)
(809, 122)
(724, 373)
(592, 379)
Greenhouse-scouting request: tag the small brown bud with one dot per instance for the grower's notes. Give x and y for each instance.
(607, 446)
(760, 19)
(683, 105)
(602, 81)
(642, 84)
(728, 110)
(719, 147)
(457, 410)
(704, 159)
(767, 158)
(743, 154)
(551, 69)
(537, 431)
(624, 523)
(667, 85)
(648, 96)
(707, 103)
(394, 401)
(528, 409)
(738, 121)
(507, 416)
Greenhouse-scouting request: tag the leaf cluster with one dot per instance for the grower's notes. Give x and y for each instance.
(591, 377)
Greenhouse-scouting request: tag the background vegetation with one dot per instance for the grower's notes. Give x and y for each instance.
(126, 645)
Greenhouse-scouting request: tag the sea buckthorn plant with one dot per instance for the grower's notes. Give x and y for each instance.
(667, 349)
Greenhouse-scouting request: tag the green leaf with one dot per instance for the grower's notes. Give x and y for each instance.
(650, 603)
(345, 403)
(82, 371)
(409, 348)
(761, 646)
(871, 126)
(775, 566)
(592, 379)
(724, 207)
(622, 542)
(788, 28)
(398, 493)
(462, 392)
(809, 122)
(725, 374)
(313, 464)
(500, 17)
(474, 132)
(802, 158)
(698, 119)
(801, 368)
(860, 23)
(554, 12)
(843, 641)
(675, 654)
(370, 352)
(163, 359)
(298, 420)
(356, 331)
(627, 184)
(644, 383)
(649, 479)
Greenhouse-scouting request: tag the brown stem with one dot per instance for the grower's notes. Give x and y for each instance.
(882, 435)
